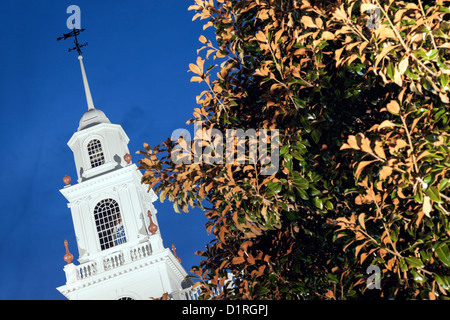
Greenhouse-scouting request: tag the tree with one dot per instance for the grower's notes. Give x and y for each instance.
(355, 94)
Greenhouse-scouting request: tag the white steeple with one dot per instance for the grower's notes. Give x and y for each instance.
(90, 103)
(121, 251)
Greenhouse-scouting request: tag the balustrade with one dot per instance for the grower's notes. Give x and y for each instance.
(87, 269)
(113, 260)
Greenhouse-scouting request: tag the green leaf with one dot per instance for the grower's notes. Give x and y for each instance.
(316, 135)
(331, 277)
(318, 203)
(414, 262)
(300, 103)
(284, 149)
(351, 293)
(313, 191)
(292, 215)
(444, 79)
(426, 256)
(297, 155)
(274, 186)
(432, 54)
(445, 183)
(394, 233)
(417, 277)
(262, 290)
(402, 264)
(410, 74)
(301, 182)
(443, 253)
(443, 281)
(390, 70)
(420, 53)
(329, 205)
(306, 123)
(301, 148)
(433, 193)
(302, 193)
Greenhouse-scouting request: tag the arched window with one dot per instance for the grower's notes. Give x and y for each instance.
(95, 152)
(125, 298)
(109, 224)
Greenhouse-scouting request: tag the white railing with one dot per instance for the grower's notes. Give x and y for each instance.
(110, 261)
(113, 260)
(140, 251)
(87, 269)
(186, 294)
(192, 293)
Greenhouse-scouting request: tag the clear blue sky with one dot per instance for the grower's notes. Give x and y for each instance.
(136, 61)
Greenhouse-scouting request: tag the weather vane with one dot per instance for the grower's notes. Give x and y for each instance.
(74, 33)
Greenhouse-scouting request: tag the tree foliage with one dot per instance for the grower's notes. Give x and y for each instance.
(358, 92)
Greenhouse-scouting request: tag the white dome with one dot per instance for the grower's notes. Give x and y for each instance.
(91, 118)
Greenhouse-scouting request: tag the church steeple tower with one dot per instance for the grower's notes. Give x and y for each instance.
(121, 251)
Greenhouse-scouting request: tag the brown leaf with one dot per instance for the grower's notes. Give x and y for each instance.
(261, 37)
(364, 143)
(278, 35)
(423, 154)
(337, 56)
(432, 295)
(398, 77)
(358, 248)
(366, 7)
(386, 124)
(329, 294)
(393, 107)
(195, 69)
(383, 53)
(403, 65)
(385, 172)
(359, 236)
(379, 150)
(419, 217)
(400, 143)
(427, 206)
(237, 260)
(444, 97)
(308, 22)
(200, 63)
(351, 143)
(361, 166)
(196, 79)
(327, 35)
(385, 32)
(361, 220)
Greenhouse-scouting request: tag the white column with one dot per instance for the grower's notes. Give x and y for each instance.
(79, 229)
(127, 213)
(89, 229)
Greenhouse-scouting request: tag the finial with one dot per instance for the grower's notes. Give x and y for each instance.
(127, 158)
(175, 253)
(68, 257)
(152, 227)
(67, 180)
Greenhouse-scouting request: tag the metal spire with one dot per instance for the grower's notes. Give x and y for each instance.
(74, 33)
